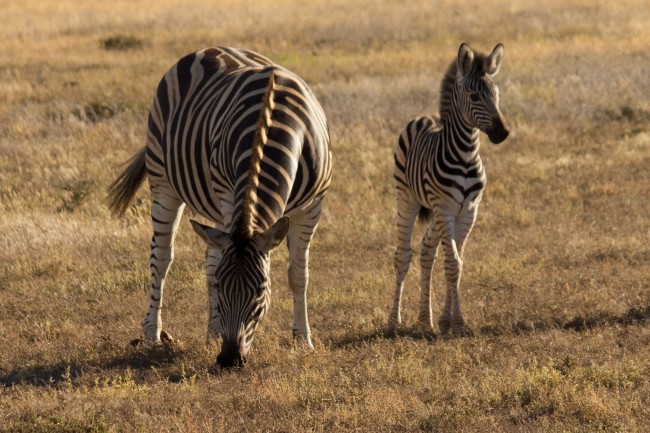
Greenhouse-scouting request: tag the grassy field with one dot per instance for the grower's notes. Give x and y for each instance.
(556, 279)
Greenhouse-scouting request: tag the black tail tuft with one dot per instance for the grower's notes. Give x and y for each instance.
(425, 214)
(126, 185)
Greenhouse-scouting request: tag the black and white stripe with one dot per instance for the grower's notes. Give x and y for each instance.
(244, 143)
(439, 174)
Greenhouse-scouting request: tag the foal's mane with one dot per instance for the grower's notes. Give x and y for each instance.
(449, 82)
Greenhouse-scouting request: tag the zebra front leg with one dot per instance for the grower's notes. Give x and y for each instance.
(166, 212)
(451, 314)
(428, 254)
(213, 258)
(463, 227)
(456, 231)
(407, 210)
(301, 231)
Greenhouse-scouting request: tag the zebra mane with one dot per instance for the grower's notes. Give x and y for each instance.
(449, 82)
(446, 90)
(243, 227)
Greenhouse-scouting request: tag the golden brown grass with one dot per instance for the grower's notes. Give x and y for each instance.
(556, 271)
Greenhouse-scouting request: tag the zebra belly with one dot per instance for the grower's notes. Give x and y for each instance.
(451, 201)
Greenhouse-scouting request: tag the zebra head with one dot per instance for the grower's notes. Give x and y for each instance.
(240, 286)
(478, 96)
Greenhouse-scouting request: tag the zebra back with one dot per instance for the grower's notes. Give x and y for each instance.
(228, 126)
(243, 223)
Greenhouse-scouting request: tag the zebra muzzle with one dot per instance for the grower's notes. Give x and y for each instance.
(231, 355)
(499, 132)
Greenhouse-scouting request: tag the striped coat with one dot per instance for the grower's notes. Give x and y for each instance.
(439, 174)
(244, 143)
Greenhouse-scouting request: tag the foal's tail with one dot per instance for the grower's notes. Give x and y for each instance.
(126, 185)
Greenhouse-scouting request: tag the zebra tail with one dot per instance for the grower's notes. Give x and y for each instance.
(126, 185)
(425, 215)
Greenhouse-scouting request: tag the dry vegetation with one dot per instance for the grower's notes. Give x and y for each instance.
(556, 273)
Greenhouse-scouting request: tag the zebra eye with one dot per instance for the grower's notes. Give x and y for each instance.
(474, 97)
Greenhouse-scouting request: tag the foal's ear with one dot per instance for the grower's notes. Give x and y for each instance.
(213, 237)
(494, 60)
(274, 235)
(464, 61)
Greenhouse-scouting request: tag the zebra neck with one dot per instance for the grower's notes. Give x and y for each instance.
(460, 137)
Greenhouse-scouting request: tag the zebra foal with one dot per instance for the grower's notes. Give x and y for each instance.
(244, 143)
(439, 174)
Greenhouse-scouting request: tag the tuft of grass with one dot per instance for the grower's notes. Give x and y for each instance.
(122, 43)
(38, 424)
(95, 112)
(76, 193)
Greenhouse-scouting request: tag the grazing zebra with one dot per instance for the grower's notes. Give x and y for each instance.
(439, 175)
(244, 143)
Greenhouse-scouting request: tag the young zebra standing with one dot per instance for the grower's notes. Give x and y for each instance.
(244, 143)
(439, 174)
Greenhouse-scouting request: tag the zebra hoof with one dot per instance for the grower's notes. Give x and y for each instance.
(165, 338)
(394, 323)
(303, 342)
(424, 324)
(444, 324)
(462, 331)
(426, 331)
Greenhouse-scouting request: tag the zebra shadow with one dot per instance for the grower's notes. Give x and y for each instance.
(165, 362)
(632, 317)
(128, 364)
(377, 335)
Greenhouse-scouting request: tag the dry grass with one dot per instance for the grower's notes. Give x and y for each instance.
(556, 272)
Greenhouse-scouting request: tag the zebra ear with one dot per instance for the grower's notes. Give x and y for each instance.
(213, 237)
(465, 59)
(494, 60)
(274, 235)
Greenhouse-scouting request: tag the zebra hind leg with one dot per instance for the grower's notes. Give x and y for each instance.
(407, 210)
(166, 212)
(213, 258)
(301, 231)
(428, 254)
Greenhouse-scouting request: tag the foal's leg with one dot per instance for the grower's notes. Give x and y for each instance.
(428, 254)
(407, 210)
(454, 233)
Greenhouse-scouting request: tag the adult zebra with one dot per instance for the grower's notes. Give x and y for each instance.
(244, 143)
(439, 174)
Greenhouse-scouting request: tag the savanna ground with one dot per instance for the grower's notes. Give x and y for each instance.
(555, 281)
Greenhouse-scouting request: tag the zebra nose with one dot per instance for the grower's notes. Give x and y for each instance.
(499, 134)
(231, 355)
(230, 361)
